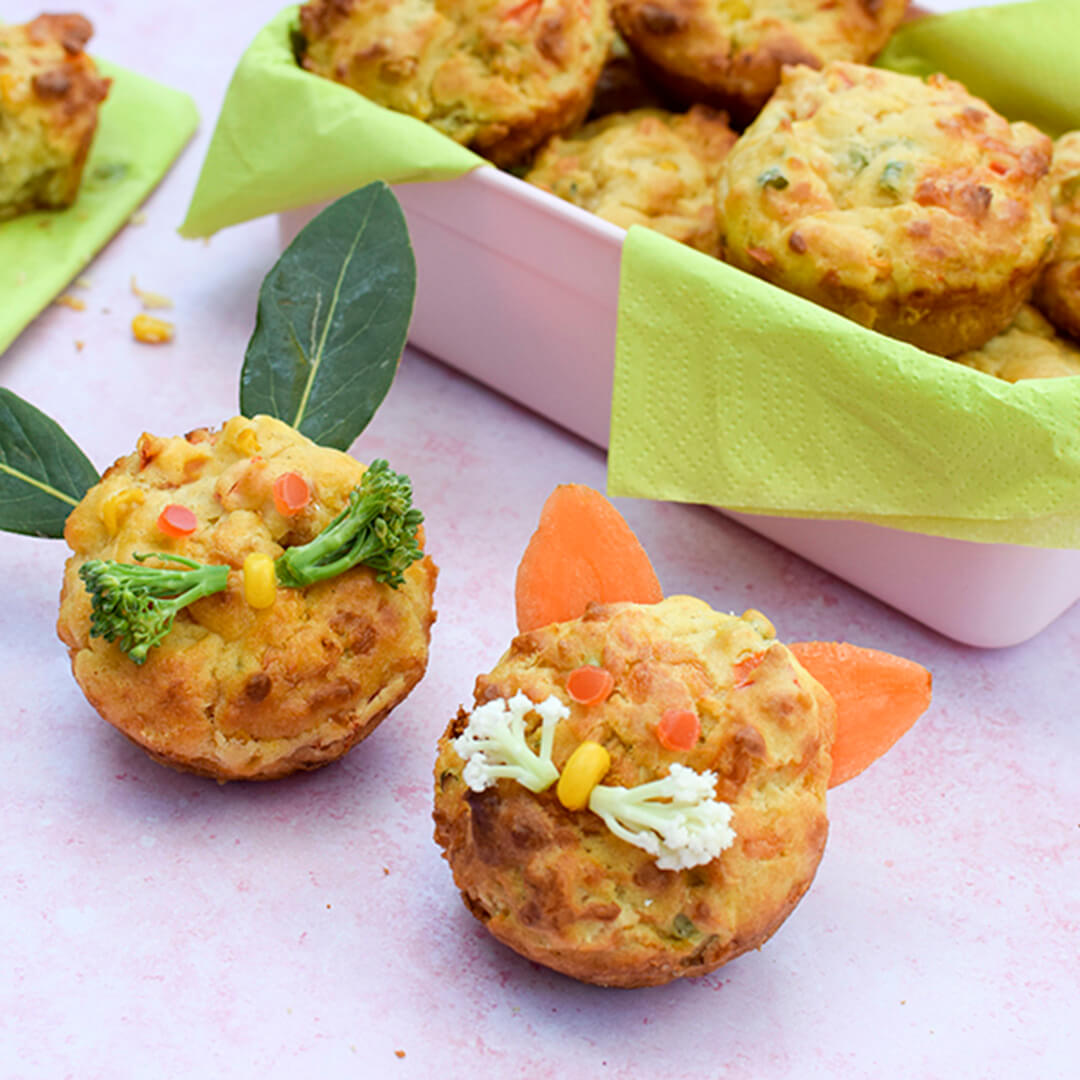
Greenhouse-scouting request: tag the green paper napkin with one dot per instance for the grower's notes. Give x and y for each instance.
(731, 392)
(286, 138)
(141, 129)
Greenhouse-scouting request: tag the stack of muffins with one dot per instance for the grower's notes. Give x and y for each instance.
(912, 208)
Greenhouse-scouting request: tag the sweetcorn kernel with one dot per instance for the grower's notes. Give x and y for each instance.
(240, 435)
(115, 508)
(152, 331)
(583, 771)
(260, 580)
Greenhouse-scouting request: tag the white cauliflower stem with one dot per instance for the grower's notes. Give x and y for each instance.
(493, 744)
(677, 818)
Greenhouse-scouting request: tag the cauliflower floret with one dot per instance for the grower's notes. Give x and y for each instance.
(493, 743)
(677, 818)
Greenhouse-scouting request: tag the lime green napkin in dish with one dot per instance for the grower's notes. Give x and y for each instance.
(286, 138)
(142, 127)
(731, 392)
(1024, 59)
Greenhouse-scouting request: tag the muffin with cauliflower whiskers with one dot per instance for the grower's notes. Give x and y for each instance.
(244, 603)
(637, 794)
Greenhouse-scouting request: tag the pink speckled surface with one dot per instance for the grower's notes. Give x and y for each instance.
(155, 924)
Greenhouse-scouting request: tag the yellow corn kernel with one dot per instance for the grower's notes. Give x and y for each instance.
(152, 331)
(260, 581)
(240, 435)
(668, 165)
(759, 622)
(117, 507)
(585, 769)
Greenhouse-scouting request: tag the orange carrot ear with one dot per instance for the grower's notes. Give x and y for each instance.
(878, 697)
(582, 551)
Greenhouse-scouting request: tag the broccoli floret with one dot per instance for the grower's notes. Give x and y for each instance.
(135, 605)
(376, 528)
(677, 818)
(493, 743)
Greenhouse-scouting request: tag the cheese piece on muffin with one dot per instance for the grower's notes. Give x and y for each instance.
(49, 96)
(1028, 349)
(559, 885)
(730, 54)
(912, 208)
(238, 691)
(1058, 292)
(645, 167)
(499, 76)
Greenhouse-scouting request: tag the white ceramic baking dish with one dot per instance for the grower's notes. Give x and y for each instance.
(519, 290)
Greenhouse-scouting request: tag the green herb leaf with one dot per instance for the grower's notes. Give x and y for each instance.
(43, 474)
(773, 178)
(683, 927)
(891, 176)
(333, 317)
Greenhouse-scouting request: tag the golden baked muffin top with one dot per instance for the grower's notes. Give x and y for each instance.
(1029, 349)
(893, 200)
(237, 691)
(730, 52)
(559, 885)
(1059, 290)
(49, 97)
(497, 75)
(646, 167)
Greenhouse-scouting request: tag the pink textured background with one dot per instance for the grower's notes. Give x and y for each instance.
(155, 924)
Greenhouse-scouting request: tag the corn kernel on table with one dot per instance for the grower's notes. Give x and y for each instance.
(157, 924)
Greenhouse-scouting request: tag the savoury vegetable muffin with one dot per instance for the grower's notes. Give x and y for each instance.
(499, 76)
(709, 748)
(646, 167)
(912, 208)
(255, 681)
(1058, 292)
(731, 53)
(621, 86)
(49, 97)
(1028, 349)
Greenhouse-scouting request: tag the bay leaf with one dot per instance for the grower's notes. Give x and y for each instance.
(332, 320)
(43, 474)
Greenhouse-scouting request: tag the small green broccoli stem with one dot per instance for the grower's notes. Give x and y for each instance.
(136, 605)
(377, 529)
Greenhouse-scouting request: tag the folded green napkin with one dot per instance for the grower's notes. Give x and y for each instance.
(286, 138)
(141, 128)
(731, 392)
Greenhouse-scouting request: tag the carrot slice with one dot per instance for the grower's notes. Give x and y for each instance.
(678, 729)
(176, 520)
(590, 685)
(878, 697)
(582, 551)
(291, 494)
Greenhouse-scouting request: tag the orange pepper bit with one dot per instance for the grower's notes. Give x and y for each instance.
(742, 670)
(590, 685)
(678, 729)
(176, 520)
(291, 494)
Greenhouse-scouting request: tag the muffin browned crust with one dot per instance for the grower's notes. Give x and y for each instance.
(646, 167)
(499, 76)
(49, 97)
(234, 692)
(1058, 292)
(1028, 349)
(912, 208)
(558, 886)
(731, 54)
